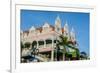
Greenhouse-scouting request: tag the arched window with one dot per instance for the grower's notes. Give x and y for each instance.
(34, 43)
(48, 41)
(41, 42)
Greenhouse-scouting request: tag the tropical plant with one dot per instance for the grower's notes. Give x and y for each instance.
(76, 50)
(65, 43)
(58, 52)
(77, 54)
(69, 56)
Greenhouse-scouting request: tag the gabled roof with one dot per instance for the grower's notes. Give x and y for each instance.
(32, 28)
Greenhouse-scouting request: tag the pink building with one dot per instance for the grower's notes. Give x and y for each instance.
(47, 35)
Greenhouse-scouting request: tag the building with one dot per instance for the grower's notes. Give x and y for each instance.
(46, 36)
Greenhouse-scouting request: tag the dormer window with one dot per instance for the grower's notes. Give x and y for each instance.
(46, 27)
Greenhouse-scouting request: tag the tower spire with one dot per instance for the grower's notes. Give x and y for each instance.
(32, 28)
(58, 18)
(66, 28)
(72, 34)
(58, 25)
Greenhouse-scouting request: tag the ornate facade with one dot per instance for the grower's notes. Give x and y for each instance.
(47, 33)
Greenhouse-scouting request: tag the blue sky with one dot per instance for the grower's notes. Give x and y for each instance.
(76, 20)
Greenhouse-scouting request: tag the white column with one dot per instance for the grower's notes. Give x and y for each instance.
(44, 44)
(30, 46)
(37, 45)
(52, 52)
(52, 43)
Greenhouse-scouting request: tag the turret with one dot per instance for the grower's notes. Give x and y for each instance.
(66, 29)
(72, 35)
(58, 25)
(32, 29)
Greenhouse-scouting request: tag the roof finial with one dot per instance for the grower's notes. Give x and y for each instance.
(32, 28)
(58, 18)
(72, 33)
(66, 28)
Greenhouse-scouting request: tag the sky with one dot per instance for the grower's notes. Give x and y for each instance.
(78, 21)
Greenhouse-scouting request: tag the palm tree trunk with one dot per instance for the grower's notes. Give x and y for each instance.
(63, 56)
(64, 51)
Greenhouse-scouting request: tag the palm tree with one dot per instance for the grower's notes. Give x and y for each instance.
(71, 45)
(62, 42)
(77, 54)
(58, 52)
(68, 44)
(65, 43)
